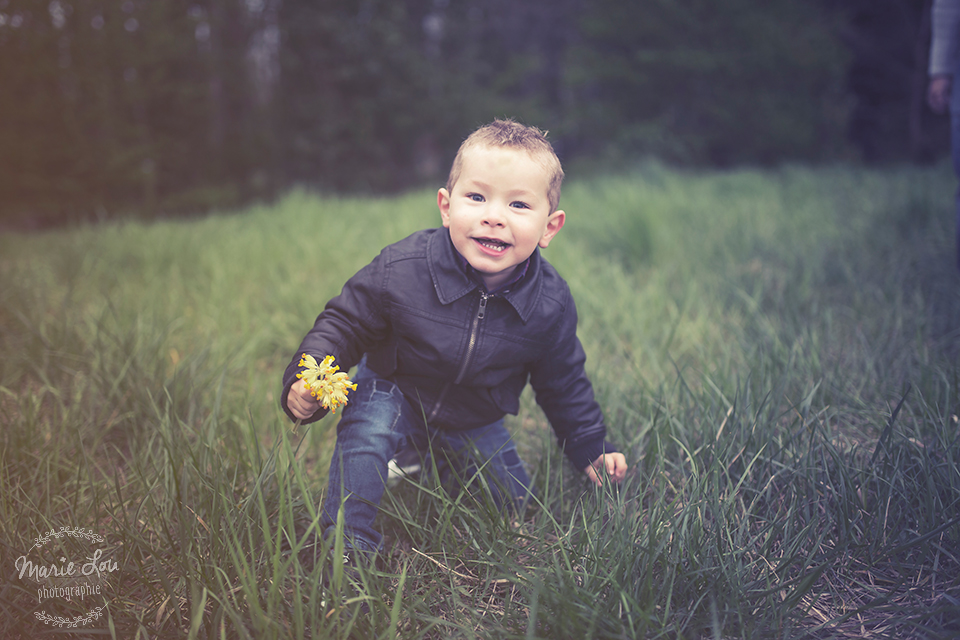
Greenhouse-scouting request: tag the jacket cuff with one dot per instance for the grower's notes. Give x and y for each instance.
(588, 451)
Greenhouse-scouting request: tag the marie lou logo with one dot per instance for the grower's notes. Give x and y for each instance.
(78, 574)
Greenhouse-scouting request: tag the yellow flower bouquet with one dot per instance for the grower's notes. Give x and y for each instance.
(325, 381)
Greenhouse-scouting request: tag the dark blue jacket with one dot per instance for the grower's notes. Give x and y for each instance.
(461, 354)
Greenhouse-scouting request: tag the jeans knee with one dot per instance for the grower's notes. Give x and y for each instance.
(373, 413)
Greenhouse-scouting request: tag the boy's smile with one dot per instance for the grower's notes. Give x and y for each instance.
(498, 212)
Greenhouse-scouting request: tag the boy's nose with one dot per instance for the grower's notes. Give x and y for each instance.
(493, 217)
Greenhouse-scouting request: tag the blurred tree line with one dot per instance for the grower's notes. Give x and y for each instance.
(112, 106)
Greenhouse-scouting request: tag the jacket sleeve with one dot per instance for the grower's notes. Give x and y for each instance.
(349, 324)
(565, 394)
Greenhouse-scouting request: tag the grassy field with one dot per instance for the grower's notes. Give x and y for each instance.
(776, 352)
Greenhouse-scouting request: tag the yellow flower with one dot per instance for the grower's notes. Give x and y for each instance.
(313, 372)
(325, 381)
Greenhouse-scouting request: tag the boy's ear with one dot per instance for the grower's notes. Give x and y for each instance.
(554, 223)
(443, 203)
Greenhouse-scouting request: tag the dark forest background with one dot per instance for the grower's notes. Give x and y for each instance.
(148, 107)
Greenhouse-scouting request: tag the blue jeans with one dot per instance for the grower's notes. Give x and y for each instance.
(376, 422)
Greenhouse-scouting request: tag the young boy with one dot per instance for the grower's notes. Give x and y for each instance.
(447, 326)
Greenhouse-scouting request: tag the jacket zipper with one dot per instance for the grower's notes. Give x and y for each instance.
(471, 346)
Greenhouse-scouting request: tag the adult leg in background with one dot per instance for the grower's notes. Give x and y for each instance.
(955, 149)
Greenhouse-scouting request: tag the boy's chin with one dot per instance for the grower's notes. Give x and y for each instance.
(495, 279)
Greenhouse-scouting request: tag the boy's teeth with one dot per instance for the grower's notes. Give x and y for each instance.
(496, 246)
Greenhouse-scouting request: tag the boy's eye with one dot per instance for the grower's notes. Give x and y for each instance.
(519, 205)
(476, 197)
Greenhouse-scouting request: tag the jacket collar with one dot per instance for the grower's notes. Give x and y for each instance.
(451, 281)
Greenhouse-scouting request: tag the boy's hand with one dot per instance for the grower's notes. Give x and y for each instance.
(300, 402)
(611, 465)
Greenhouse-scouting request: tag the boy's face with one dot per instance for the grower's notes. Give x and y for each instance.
(498, 212)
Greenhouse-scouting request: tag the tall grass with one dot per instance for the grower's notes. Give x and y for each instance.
(775, 351)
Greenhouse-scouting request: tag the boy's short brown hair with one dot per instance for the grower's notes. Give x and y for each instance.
(513, 135)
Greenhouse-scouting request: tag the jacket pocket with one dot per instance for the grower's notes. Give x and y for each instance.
(383, 360)
(506, 395)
